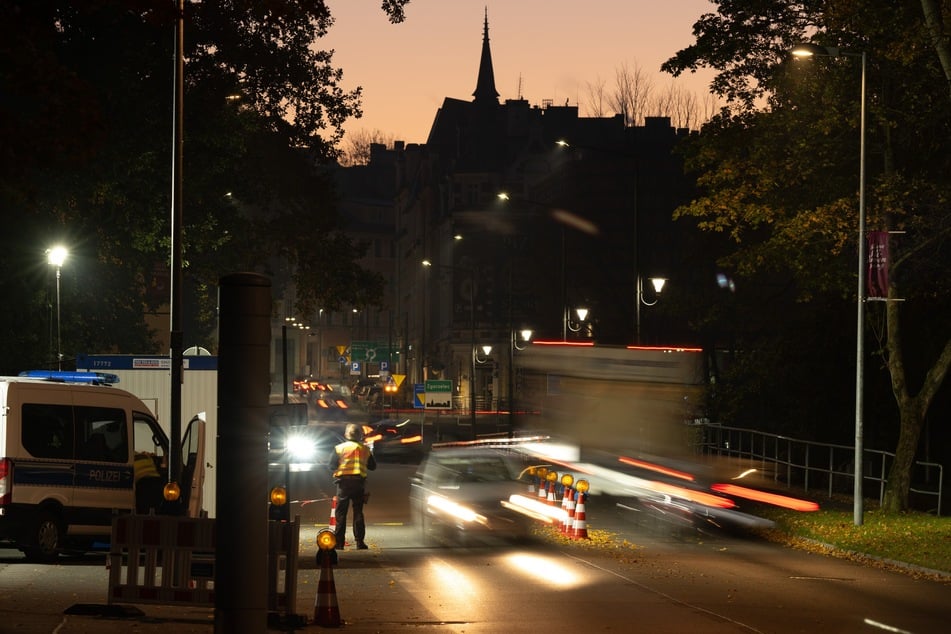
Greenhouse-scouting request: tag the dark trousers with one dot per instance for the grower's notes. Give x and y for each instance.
(148, 495)
(350, 489)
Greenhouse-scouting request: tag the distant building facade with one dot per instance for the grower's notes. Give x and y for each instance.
(587, 212)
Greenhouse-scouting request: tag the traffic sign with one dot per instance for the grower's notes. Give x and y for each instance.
(438, 395)
(419, 396)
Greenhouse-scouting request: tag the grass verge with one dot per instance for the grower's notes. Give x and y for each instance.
(917, 539)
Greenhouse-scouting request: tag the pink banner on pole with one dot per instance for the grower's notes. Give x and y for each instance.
(877, 265)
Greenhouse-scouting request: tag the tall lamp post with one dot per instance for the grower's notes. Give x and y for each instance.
(658, 284)
(809, 50)
(472, 338)
(526, 335)
(56, 256)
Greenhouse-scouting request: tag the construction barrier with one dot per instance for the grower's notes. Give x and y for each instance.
(170, 560)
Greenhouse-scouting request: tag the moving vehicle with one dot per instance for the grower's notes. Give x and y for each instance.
(396, 441)
(459, 494)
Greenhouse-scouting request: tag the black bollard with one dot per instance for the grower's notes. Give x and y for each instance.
(244, 337)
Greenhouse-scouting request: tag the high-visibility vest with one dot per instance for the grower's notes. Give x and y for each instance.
(352, 459)
(145, 468)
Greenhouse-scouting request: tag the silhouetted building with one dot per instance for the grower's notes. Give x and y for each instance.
(565, 238)
(588, 209)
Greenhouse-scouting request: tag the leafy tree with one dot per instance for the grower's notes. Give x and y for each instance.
(779, 172)
(85, 130)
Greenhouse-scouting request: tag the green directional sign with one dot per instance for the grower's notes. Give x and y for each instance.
(438, 395)
(371, 351)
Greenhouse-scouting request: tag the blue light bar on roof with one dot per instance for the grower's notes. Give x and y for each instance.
(65, 376)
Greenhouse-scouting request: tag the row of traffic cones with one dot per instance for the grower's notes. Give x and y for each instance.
(575, 523)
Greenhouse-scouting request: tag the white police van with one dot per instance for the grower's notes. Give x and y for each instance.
(68, 444)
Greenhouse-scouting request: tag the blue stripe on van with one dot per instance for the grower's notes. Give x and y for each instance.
(69, 474)
(52, 474)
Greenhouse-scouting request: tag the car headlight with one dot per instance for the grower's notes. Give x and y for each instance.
(301, 448)
(458, 511)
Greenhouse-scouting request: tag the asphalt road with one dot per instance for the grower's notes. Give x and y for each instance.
(632, 576)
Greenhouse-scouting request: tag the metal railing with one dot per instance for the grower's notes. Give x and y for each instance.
(816, 466)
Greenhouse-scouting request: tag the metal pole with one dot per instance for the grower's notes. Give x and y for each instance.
(59, 348)
(59, 339)
(176, 337)
(858, 511)
(638, 289)
(472, 397)
(512, 341)
(564, 286)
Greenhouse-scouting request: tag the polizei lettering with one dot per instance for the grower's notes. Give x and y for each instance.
(103, 475)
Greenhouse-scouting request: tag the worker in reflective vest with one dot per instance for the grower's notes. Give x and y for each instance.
(352, 460)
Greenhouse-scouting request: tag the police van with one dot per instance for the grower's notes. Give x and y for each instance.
(69, 444)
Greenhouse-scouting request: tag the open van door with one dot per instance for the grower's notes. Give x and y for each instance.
(193, 465)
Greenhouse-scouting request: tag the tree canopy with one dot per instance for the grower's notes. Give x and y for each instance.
(779, 171)
(86, 109)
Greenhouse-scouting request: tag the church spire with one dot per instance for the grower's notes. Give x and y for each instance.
(485, 86)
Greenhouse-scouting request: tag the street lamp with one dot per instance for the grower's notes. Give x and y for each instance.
(658, 284)
(526, 336)
(564, 219)
(472, 341)
(575, 326)
(56, 256)
(809, 50)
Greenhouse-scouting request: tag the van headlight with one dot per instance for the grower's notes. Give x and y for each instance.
(301, 448)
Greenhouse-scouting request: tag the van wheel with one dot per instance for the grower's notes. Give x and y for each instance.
(47, 539)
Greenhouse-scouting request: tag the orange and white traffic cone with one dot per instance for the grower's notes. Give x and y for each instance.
(333, 514)
(552, 500)
(542, 490)
(569, 525)
(581, 526)
(564, 509)
(326, 611)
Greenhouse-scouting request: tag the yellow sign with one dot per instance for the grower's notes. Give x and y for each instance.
(398, 378)
(341, 349)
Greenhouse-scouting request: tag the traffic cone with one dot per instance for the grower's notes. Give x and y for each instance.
(580, 530)
(552, 501)
(326, 611)
(569, 524)
(333, 514)
(542, 491)
(564, 509)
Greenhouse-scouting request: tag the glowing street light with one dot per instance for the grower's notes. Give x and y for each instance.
(56, 256)
(525, 335)
(810, 50)
(658, 284)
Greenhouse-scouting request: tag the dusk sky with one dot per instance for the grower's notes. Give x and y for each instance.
(541, 49)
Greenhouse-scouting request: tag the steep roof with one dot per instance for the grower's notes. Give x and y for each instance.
(485, 86)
